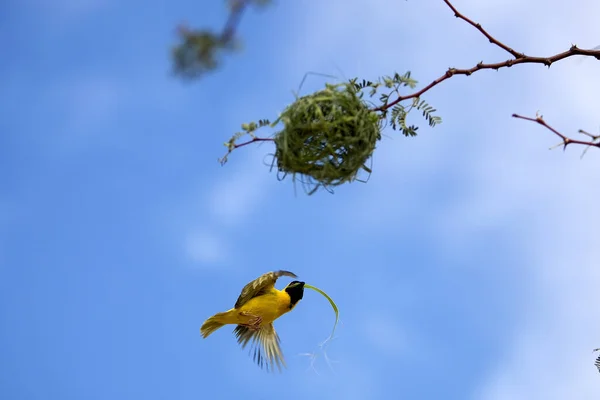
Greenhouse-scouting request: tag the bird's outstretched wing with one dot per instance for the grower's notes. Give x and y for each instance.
(264, 345)
(259, 285)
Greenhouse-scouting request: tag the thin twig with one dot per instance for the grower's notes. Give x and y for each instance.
(232, 146)
(565, 140)
(478, 26)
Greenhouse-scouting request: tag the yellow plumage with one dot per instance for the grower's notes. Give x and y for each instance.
(259, 304)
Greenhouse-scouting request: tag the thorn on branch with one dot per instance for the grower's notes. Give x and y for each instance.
(593, 137)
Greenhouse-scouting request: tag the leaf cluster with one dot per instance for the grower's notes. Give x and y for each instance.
(201, 51)
(396, 114)
(198, 53)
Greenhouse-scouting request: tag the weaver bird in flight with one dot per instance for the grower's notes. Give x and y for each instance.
(256, 308)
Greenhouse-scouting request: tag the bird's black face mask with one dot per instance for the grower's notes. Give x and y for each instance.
(296, 290)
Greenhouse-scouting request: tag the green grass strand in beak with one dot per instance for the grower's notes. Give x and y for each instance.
(333, 305)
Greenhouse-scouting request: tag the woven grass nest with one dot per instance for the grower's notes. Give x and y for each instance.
(328, 137)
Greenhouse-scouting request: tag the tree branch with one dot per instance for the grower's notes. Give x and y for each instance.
(235, 14)
(518, 58)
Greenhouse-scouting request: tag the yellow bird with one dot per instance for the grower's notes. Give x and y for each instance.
(256, 308)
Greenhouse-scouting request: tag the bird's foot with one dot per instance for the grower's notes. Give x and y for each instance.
(254, 322)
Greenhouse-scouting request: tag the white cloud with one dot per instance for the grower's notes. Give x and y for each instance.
(206, 249)
(550, 356)
(236, 195)
(89, 104)
(550, 195)
(225, 206)
(84, 108)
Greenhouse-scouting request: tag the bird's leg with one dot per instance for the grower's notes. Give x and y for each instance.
(255, 324)
(254, 321)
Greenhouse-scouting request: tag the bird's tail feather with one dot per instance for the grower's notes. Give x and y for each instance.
(213, 323)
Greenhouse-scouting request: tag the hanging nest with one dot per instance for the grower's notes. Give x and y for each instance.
(328, 137)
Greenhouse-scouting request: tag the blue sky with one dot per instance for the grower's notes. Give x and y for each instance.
(467, 268)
